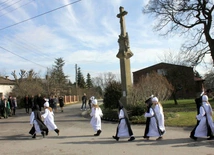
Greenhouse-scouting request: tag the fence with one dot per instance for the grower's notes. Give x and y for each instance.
(71, 99)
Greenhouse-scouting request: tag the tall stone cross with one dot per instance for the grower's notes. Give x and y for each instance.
(124, 55)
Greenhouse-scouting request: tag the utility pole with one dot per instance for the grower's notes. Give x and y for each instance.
(76, 79)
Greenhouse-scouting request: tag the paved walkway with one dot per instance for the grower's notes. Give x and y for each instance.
(76, 138)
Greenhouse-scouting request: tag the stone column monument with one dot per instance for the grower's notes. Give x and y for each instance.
(124, 54)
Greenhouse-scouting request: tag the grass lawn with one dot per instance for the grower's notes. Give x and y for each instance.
(183, 114)
(180, 119)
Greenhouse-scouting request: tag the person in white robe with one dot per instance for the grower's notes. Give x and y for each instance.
(205, 127)
(49, 118)
(96, 114)
(124, 127)
(156, 126)
(36, 122)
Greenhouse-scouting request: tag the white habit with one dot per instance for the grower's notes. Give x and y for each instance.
(49, 119)
(153, 129)
(96, 114)
(122, 127)
(35, 123)
(201, 129)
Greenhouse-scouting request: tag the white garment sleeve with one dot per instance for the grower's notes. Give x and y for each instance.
(92, 112)
(32, 117)
(201, 114)
(100, 112)
(121, 114)
(150, 114)
(46, 113)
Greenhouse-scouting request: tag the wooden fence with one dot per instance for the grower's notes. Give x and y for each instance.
(71, 99)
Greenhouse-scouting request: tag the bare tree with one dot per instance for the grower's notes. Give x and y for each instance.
(209, 79)
(103, 79)
(151, 84)
(27, 83)
(174, 58)
(192, 19)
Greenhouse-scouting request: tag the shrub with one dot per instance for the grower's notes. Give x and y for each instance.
(136, 110)
(110, 115)
(112, 94)
(138, 119)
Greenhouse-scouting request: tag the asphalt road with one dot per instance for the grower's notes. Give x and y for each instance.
(76, 138)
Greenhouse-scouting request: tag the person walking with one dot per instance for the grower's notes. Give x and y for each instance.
(96, 114)
(205, 127)
(148, 103)
(51, 102)
(198, 102)
(61, 103)
(156, 125)
(90, 101)
(49, 118)
(55, 103)
(27, 103)
(39, 101)
(31, 102)
(10, 100)
(6, 108)
(124, 127)
(14, 104)
(36, 122)
(84, 101)
(1, 107)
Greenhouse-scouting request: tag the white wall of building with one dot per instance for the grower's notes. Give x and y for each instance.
(6, 89)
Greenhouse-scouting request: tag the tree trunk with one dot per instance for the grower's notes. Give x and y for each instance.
(174, 98)
(211, 45)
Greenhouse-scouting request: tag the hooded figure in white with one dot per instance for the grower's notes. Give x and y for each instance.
(96, 114)
(124, 127)
(49, 117)
(156, 126)
(205, 127)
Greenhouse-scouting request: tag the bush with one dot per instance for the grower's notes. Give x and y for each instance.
(136, 110)
(112, 94)
(110, 115)
(138, 119)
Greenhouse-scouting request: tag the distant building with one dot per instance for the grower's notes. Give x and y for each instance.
(6, 86)
(189, 84)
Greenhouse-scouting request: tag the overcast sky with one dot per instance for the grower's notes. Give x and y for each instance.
(34, 33)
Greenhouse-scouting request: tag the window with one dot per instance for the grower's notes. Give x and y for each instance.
(161, 71)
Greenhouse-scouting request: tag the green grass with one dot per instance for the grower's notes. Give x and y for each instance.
(181, 115)
(180, 119)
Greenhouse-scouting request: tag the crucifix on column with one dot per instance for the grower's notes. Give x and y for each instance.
(124, 55)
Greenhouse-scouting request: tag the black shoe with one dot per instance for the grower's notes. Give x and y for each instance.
(98, 133)
(57, 131)
(34, 136)
(43, 134)
(131, 139)
(117, 138)
(193, 137)
(210, 138)
(159, 138)
(46, 132)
